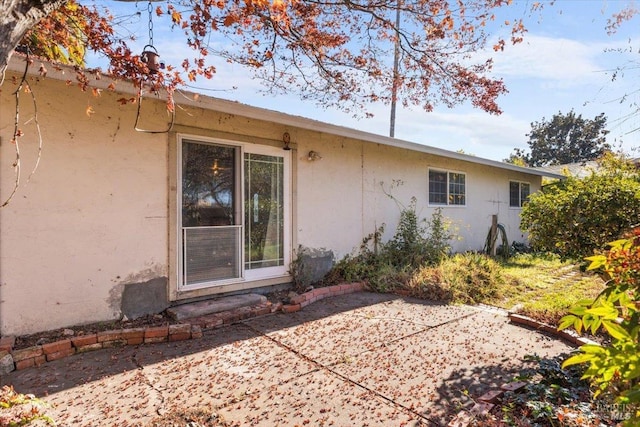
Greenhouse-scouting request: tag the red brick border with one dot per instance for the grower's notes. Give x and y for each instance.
(570, 336)
(39, 354)
(300, 301)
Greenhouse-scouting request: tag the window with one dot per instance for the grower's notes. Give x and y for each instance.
(518, 193)
(447, 188)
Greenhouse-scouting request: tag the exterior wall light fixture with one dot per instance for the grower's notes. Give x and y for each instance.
(313, 156)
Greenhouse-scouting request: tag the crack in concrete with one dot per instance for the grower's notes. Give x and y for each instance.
(327, 368)
(427, 329)
(160, 408)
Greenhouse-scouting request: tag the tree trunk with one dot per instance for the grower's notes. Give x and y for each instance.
(16, 18)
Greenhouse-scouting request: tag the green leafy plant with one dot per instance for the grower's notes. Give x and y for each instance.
(418, 242)
(17, 409)
(576, 216)
(359, 266)
(552, 396)
(389, 266)
(613, 368)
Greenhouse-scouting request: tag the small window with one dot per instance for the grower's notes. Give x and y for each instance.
(518, 193)
(447, 188)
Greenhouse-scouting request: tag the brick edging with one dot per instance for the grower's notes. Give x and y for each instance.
(298, 302)
(40, 354)
(567, 335)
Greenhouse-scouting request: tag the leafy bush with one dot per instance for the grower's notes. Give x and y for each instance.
(576, 216)
(388, 266)
(553, 396)
(613, 368)
(370, 266)
(360, 266)
(468, 278)
(417, 242)
(17, 409)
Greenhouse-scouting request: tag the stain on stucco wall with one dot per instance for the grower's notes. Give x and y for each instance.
(140, 293)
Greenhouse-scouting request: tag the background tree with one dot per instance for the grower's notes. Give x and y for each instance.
(517, 158)
(566, 138)
(576, 216)
(335, 52)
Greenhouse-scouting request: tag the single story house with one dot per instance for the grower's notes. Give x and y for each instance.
(118, 221)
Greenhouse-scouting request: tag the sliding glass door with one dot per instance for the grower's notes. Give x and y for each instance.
(263, 213)
(234, 213)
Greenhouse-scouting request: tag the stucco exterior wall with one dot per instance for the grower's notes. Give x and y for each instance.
(94, 232)
(92, 218)
(344, 197)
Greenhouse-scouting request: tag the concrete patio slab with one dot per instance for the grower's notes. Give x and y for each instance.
(441, 369)
(354, 327)
(317, 399)
(352, 360)
(228, 372)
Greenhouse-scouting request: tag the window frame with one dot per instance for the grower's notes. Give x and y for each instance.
(521, 202)
(448, 185)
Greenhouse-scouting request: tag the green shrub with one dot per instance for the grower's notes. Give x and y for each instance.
(468, 278)
(615, 367)
(389, 266)
(417, 242)
(576, 216)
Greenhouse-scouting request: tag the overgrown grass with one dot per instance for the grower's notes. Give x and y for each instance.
(462, 279)
(543, 286)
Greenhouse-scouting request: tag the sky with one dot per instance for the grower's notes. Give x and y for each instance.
(565, 62)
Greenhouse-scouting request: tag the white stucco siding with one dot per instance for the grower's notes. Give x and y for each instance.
(92, 217)
(329, 193)
(343, 197)
(100, 216)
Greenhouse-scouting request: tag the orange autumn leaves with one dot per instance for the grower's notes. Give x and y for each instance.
(338, 53)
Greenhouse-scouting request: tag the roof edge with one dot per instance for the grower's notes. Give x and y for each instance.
(187, 98)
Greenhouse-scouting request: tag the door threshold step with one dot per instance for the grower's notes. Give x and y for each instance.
(218, 305)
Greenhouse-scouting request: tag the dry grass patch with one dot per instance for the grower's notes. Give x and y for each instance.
(468, 278)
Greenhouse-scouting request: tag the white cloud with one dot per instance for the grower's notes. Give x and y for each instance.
(547, 58)
(476, 132)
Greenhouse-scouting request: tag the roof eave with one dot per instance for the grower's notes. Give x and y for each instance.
(187, 98)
